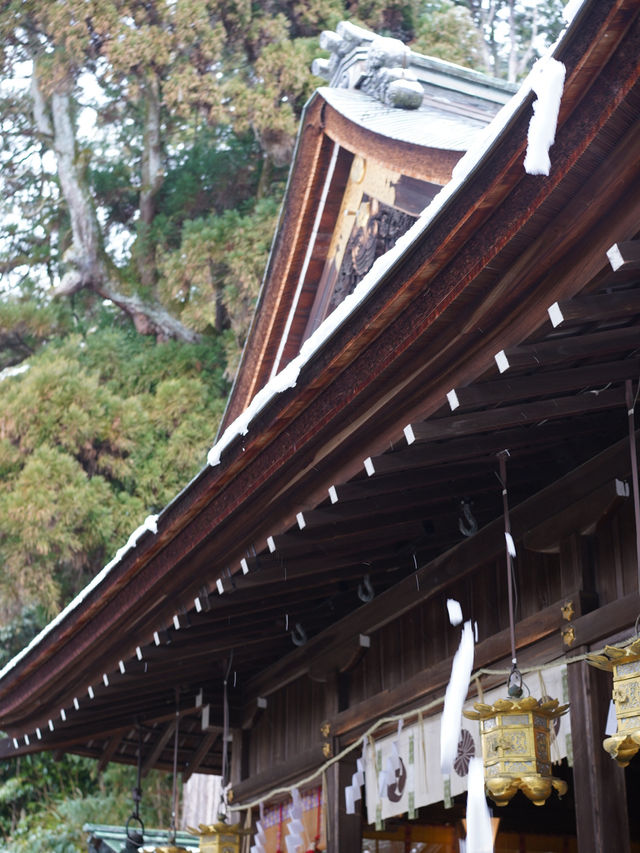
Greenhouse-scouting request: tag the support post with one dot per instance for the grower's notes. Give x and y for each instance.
(602, 821)
(344, 831)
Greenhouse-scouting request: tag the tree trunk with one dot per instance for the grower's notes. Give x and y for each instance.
(152, 178)
(86, 261)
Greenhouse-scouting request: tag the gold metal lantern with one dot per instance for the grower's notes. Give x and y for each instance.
(624, 662)
(516, 738)
(220, 837)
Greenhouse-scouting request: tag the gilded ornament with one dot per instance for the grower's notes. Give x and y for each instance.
(220, 837)
(516, 738)
(326, 750)
(567, 611)
(325, 729)
(624, 663)
(568, 635)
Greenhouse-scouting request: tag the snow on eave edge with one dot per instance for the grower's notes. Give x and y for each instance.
(463, 172)
(150, 524)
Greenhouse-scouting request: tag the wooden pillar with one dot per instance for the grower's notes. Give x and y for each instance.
(344, 831)
(600, 793)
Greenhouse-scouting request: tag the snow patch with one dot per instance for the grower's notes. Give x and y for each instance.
(455, 698)
(8, 372)
(547, 81)
(571, 10)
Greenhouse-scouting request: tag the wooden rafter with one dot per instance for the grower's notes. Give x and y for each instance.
(510, 416)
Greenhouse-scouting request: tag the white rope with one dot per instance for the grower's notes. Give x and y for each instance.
(416, 712)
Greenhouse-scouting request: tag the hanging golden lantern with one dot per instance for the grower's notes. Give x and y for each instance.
(624, 662)
(516, 739)
(220, 837)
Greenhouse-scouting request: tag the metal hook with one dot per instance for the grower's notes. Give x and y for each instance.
(365, 590)
(298, 635)
(472, 525)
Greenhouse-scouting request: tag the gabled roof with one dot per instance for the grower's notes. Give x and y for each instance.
(354, 115)
(287, 496)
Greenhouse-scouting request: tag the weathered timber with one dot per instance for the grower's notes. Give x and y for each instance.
(509, 416)
(596, 308)
(152, 757)
(109, 751)
(344, 831)
(534, 437)
(580, 517)
(294, 543)
(512, 387)
(600, 796)
(538, 640)
(205, 746)
(625, 256)
(433, 678)
(280, 774)
(453, 564)
(559, 350)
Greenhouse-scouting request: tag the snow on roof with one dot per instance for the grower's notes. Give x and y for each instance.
(485, 142)
(430, 125)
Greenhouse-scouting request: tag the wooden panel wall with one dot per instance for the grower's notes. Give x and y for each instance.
(290, 724)
(602, 563)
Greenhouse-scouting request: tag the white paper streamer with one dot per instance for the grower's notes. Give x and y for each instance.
(479, 832)
(612, 721)
(295, 827)
(511, 547)
(455, 611)
(454, 699)
(350, 800)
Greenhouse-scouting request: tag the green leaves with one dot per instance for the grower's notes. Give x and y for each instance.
(97, 433)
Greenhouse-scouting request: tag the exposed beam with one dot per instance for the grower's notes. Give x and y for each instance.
(515, 387)
(109, 751)
(158, 748)
(461, 560)
(558, 350)
(509, 416)
(293, 544)
(429, 455)
(204, 747)
(595, 308)
(625, 256)
(280, 774)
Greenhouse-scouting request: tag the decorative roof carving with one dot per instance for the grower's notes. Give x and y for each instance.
(375, 64)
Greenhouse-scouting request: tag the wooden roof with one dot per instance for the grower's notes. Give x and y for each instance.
(328, 486)
(338, 123)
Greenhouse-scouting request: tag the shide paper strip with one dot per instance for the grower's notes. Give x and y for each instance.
(295, 826)
(455, 611)
(454, 699)
(479, 832)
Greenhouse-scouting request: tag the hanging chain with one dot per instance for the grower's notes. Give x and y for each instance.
(631, 403)
(225, 744)
(514, 683)
(174, 790)
(137, 792)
